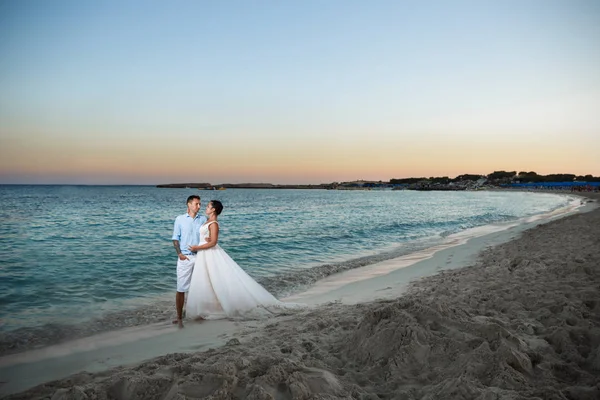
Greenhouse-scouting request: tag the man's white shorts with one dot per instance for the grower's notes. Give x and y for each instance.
(184, 273)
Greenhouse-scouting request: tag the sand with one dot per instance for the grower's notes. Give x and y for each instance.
(518, 320)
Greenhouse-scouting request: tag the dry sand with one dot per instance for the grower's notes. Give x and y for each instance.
(522, 322)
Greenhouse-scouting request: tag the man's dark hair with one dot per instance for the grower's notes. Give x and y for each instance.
(192, 197)
(217, 206)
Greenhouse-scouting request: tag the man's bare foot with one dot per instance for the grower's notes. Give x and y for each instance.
(180, 324)
(175, 321)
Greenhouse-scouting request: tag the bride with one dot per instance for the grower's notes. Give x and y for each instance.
(219, 287)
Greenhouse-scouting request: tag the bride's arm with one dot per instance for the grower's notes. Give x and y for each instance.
(211, 240)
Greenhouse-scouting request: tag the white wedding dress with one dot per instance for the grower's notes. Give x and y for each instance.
(221, 289)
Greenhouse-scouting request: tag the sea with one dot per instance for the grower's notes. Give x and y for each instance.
(79, 260)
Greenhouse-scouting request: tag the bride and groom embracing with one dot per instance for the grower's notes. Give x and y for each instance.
(217, 287)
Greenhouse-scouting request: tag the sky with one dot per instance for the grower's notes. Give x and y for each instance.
(149, 92)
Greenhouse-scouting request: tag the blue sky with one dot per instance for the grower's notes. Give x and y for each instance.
(295, 91)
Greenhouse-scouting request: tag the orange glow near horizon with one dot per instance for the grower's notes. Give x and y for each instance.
(302, 162)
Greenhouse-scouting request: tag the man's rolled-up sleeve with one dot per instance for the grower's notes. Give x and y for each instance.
(177, 230)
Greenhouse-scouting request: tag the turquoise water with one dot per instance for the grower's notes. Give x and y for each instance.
(75, 253)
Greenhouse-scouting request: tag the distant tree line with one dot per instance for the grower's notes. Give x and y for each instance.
(439, 179)
(533, 177)
(501, 177)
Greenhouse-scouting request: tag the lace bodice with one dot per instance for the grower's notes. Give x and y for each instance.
(204, 232)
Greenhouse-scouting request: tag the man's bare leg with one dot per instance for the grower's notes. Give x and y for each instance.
(179, 301)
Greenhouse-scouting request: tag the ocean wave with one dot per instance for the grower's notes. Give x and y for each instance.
(25, 338)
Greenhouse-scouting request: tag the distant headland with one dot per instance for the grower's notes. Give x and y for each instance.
(461, 182)
(209, 186)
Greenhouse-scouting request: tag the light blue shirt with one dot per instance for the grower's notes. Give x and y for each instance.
(187, 231)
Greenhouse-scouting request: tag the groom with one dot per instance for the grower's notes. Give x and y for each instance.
(186, 232)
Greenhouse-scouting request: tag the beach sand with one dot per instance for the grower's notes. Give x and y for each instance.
(513, 314)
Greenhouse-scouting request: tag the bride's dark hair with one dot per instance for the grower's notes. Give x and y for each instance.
(217, 206)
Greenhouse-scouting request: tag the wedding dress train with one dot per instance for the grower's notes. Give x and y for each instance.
(220, 288)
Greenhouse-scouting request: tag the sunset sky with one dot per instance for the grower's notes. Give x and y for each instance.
(148, 92)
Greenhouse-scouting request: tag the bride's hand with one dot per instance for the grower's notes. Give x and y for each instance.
(193, 249)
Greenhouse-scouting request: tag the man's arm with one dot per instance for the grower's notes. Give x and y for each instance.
(178, 250)
(176, 237)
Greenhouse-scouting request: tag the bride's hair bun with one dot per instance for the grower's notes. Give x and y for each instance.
(217, 206)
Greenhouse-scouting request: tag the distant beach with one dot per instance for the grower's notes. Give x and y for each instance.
(513, 313)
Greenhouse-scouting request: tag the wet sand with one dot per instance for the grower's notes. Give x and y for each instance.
(512, 314)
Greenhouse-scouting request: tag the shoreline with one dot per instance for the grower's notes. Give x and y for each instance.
(24, 370)
(427, 261)
(159, 308)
